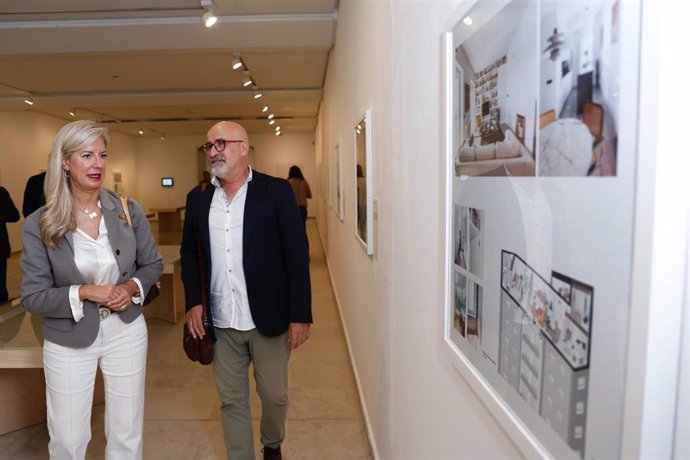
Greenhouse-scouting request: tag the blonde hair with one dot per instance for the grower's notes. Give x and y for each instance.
(58, 217)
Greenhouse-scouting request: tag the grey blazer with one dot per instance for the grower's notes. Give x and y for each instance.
(48, 273)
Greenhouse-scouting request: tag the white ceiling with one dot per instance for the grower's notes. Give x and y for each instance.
(152, 65)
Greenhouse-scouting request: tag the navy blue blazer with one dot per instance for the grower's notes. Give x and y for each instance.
(274, 251)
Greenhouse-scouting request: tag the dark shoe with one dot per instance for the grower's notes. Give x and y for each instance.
(272, 454)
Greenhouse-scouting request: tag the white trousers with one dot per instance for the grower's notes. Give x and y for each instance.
(120, 351)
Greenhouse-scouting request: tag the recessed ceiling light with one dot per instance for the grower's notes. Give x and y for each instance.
(468, 20)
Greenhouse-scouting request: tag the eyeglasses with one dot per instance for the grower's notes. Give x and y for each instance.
(219, 144)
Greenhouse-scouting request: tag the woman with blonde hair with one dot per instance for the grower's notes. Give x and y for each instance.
(85, 272)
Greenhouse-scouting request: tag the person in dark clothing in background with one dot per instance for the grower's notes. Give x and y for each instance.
(8, 213)
(33, 194)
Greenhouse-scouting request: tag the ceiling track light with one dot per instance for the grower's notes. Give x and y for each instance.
(209, 19)
(237, 62)
(72, 113)
(28, 100)
(265, 109)
(247, 79)
(270, 116)
(270, 122)
(257, 94)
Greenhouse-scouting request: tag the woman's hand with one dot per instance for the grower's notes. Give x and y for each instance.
(115, 297)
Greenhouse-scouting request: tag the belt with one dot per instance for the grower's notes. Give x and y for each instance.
(104, 312)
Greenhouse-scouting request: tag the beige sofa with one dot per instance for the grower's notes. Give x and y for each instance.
(507, 157)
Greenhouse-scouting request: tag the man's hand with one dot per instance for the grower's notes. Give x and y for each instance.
(298, 333)
(195, 322)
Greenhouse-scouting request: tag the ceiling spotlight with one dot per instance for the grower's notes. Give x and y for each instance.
(265, 109)
(277, 133)
(468, 20)
(271, 122)
(237, 62)
(209, 19)
(277, 128)
(247, 79)
(141, 131)
(258, 94)
(28, 100)
(270, 116)
(71, 113)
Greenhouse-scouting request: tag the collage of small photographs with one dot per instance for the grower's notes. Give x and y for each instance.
(538, 101)
(468, 270)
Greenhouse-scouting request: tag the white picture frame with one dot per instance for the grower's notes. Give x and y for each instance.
(363, 167)
(339, 192)
(511, 77)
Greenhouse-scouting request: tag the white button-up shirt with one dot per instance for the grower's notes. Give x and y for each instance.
(95, 260)
(229, 300)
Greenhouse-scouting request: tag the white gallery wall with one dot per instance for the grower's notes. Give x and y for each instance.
(25, 140)
(174, 157)
(387, 60)
(274, 155)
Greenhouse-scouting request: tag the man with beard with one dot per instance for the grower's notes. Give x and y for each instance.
(245, 232)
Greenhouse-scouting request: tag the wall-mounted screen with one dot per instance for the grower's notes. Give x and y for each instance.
(167, 181)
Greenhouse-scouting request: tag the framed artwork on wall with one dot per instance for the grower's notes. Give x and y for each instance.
(524, 284)
(339, 193)
(364, 209)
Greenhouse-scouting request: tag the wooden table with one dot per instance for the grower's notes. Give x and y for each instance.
(169, 219)
(22, 383)
(565, 148)
(169, 306)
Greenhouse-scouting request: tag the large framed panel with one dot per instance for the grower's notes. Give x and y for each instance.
(540, 188)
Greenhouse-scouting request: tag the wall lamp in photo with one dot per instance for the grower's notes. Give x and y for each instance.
(209, 18)
(556, 42)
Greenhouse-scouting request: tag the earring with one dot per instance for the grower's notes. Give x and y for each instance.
(66, 173)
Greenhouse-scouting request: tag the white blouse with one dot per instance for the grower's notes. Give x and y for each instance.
(95, 260)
